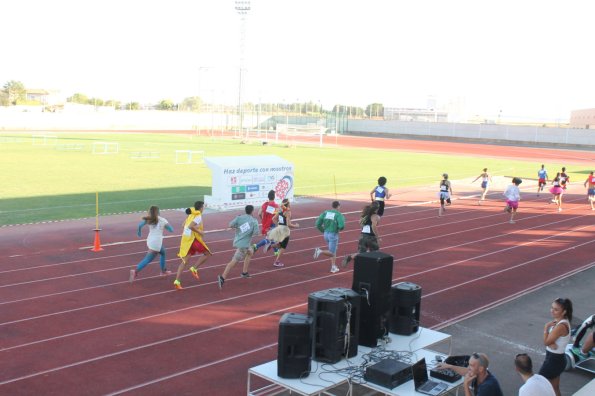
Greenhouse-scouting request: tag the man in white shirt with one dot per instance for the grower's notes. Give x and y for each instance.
(535, 384)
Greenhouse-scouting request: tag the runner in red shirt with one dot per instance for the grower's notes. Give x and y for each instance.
(266, 213)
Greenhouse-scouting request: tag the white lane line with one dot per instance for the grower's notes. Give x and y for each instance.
(152, 344)
(308, 263)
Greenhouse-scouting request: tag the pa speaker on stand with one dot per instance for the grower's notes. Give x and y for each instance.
(295, 346)
(405, 300)
(372, 278)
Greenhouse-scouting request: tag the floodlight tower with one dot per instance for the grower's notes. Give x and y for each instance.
(242, 7)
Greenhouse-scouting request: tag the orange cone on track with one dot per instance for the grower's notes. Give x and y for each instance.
(97, 243)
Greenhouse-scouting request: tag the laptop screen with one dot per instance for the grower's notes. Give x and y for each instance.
(420, 373)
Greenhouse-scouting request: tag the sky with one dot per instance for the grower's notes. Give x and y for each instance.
(514, 58)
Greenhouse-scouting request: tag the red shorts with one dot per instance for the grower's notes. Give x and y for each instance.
(197, 248)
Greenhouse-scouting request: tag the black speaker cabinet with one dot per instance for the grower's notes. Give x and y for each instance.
(335, 315)
(372, 278)
(405, 300)
(295, 346)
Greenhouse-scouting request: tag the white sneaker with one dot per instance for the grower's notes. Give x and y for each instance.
(267, 247)
(132, 276)
(512, 221)
(559, 209)
(334, 269)
(317, 253)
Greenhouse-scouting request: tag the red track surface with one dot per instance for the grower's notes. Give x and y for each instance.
(70, 323)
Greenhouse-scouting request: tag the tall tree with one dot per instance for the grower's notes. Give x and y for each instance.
(14, 92)
(375, 110)
(78, 98)
(166, 104)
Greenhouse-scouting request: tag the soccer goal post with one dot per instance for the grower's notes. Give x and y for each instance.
(190, 156)
(106, 148)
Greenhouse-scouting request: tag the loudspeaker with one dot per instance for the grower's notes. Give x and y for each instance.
(295, 346)
(335, 315)
(372, 278)
(405, 300)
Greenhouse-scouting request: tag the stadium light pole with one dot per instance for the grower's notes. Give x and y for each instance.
(242, 7)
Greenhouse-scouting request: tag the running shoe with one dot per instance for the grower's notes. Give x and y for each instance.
(346, 260)
(512, 221)
(194, 272)
(132, 276)
(559, 209)
(267, 247)
(178, 285)
(334, 269)
(578, 353)
(220, 281)
(165, 273)
(278, 264)
(254, 247)
(317, 253)
(245, 275)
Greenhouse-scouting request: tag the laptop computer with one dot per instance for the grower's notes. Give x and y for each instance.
(422, 382)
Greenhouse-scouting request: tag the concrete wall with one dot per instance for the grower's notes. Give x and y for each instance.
(171, 120)
(492, 132)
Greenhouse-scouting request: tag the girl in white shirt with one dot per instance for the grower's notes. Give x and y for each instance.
(154, 241)
(513, 196)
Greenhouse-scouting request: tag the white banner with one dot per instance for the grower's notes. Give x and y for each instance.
(241, 181)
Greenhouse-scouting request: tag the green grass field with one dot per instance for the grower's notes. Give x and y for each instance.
(58, 180)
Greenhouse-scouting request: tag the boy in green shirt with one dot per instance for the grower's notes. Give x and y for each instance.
(330, 222)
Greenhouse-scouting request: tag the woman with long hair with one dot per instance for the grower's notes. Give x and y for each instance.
(557, 191)
(556, 335)
(156, 225)
(369, 240)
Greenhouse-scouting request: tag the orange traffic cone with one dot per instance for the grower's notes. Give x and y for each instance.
(97, 243)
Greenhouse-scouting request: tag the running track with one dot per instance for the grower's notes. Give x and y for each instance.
(70, 323)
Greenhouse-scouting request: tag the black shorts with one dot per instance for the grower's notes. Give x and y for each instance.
(366, 243)
(380, 208)
(553, 365)
(283, 244)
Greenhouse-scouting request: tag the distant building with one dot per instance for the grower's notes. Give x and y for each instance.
(584, 119)
(408, 114)
(49, 98)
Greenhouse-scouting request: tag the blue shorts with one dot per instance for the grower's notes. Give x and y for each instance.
(484, 184)
(332, 239)
(591, 191)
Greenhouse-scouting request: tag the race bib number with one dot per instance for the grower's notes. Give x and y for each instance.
(366, 229)
(270, 209)
(187, 232)
(379, 190)
(281, 220)
(245, 227)
(330, 216)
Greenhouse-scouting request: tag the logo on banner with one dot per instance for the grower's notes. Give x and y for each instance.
(284, 186)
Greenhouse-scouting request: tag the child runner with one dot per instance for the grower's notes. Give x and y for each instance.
(369, 238)
(379, 194)
(266, 213)
(564, 178)
(513, 196)
(192, 242)
(246, 227)
(542, 176)
(445, 193)
(485, 180)
(283, 220)
(154, 241)
(557, 191)
(590, 184)
(330, 222)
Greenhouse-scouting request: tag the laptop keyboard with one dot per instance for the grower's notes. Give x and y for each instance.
(428, 386)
